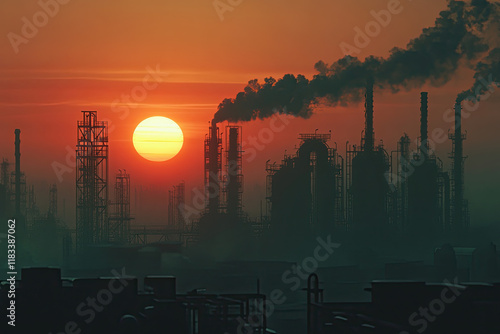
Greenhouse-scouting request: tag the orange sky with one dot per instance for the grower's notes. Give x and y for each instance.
(92, 53)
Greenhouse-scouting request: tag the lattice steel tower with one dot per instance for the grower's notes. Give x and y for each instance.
(91, 181)
(233, 185)
(213, 167)
(176, 203)
(119, 222)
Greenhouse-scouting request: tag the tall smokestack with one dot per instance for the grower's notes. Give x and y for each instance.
(17, 180)
(458, 169)
(214, 166)
(424, 142)
(369, 133)
(233, 185)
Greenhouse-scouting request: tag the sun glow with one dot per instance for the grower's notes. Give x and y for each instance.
(158, 138)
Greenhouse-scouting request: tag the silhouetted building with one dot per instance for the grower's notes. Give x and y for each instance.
(367, 188)
(423, 183)
(306, 189)
(46, 303)
(408, 307)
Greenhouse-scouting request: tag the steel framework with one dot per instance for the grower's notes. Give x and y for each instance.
(233, 179)
(176, 203)
(213, 167)
(92, 226)
(119, 221)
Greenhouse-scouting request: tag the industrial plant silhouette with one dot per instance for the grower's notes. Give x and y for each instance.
(355, 209)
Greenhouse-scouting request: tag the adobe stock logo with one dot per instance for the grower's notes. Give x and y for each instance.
(48, 9)
(222, 6)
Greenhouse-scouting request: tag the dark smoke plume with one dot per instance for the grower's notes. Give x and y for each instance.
(487, 77)
(457, 37)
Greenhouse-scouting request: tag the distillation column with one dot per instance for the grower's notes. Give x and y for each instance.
(213, 165)
(234, 182)
(92, 225)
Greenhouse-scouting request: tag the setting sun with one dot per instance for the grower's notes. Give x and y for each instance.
(158, 138)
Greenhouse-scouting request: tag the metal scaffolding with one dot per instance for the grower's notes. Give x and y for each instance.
(119, 220)
(91, 181)
(176, 202)
(17, 174)
(351, 152)
(18, 185)
(233, 179)
(213, 167)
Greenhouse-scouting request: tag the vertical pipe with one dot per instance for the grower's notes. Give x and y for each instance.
(213, 179)
(17, 143)
(232, 172)
(369, 133)
(181, 201)
(458, 168)
(404, 149)
(170, 220)
(424, 146)
(446, 204)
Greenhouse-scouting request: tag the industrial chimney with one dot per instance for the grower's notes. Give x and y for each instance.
(213, 168)
(369, 133)
(17, 174)
(233, 185)
(424, 141)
